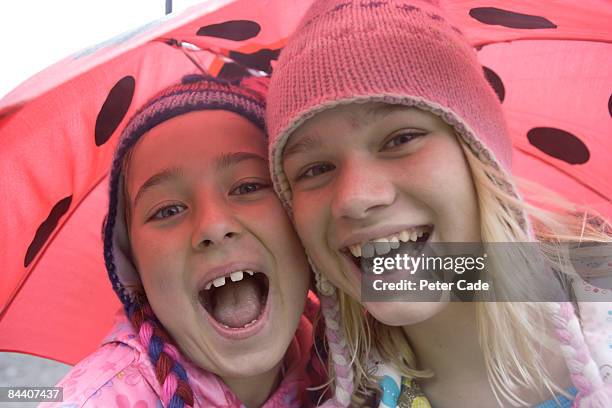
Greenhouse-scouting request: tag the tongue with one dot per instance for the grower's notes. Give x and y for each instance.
(237, 303)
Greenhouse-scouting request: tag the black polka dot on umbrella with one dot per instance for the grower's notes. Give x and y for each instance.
(559, 144)
(610, 105)
(236, 30)
(510, 19)
(46, 228)
(496, 83)
(114, 109)
(232, 72)
(260, 60)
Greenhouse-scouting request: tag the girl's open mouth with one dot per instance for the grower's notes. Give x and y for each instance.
(236, 303)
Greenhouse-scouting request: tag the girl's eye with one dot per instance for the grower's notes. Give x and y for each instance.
(402, 139)
(316, 170)
(168, 211)
(248, 188)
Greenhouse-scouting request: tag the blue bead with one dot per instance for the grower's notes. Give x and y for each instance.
(390, 389)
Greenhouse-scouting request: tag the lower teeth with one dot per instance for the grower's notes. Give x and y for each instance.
(252, 322)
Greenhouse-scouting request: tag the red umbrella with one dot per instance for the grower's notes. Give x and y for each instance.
(550, 64)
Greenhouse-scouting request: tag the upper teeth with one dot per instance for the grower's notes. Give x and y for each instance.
(234, 276)
(381, 246)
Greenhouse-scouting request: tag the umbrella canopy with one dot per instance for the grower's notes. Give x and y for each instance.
(549, 63)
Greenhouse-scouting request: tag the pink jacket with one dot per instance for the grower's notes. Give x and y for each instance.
(120, 374)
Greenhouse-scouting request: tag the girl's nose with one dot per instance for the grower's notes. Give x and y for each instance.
(215, 225)
(360, 189)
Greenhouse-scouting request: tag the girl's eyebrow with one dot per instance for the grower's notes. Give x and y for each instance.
(226, 160)
(305, 143)
(158, 178)
(382, 110)
(368, 115)
(223, 161)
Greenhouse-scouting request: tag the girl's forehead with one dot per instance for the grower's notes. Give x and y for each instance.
(355, 117)
(203, 133)
(208, 140)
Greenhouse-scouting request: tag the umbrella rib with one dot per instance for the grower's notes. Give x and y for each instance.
(481, 44)
(566, 173)
(221, 53)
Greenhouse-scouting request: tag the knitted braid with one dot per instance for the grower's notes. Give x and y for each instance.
(338, 349)
(583, 370)
(176, 392)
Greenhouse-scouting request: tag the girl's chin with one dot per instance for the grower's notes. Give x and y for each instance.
(242, 363)
(246, 368)
(403, 313)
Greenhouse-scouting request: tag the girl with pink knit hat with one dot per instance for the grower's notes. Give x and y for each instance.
(384, 131)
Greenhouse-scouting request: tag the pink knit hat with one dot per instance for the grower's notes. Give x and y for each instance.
(399, 52)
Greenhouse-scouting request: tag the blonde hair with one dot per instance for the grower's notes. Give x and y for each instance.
(510, 333)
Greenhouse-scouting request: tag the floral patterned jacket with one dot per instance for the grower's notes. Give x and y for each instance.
(120, 374)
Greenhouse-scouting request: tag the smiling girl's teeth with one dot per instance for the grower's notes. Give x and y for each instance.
(368, 250)
(394, 242)
(382, 246)
(355, 250)
(219, 282)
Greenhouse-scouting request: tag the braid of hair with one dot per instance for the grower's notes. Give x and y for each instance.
(175, 389)
(338, 349)
(583, 370)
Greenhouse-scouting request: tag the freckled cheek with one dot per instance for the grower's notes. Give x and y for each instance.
(456, 181)
(435, 171)
(162, 281)
(278, 236)
(158, 263)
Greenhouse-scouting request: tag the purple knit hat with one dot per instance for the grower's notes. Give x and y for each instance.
(401, 52)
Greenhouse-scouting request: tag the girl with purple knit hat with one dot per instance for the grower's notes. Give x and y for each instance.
(198, 248)
(384, 131)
